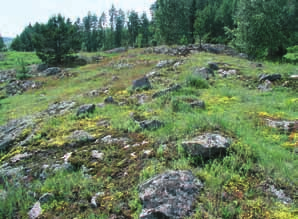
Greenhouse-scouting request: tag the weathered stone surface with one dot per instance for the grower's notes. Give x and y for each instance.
(165, 63)
(88, 108)
(198, 104)
(213, 65)
(97, 155)
(60, 108)
(13, 130)
(166, 91)
(272, 77)
(151, 124)
(51, 71)
(110, 140)
(93, 199)
(8, 172)
(81, 136)
(225, 73)
(207, 146)
(18, 86)
(141, 83)
(280, 195)
(19, 157)
(36, 68)
(169, 195)
(266, 86)
(205, 73)
(283, 125)
(7, 75)
(36, 211)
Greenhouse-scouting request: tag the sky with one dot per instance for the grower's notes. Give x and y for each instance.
(15, 15)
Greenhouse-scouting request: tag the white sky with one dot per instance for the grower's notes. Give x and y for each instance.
(15, 15)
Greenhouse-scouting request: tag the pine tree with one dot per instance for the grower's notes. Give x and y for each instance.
(2, 45)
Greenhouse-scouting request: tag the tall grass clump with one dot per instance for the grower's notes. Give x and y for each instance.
(196, 81)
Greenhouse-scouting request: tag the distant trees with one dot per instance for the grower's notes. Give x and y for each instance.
(2, 45)
(257, 27)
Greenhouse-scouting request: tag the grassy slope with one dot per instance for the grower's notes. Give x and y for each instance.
(233, 185)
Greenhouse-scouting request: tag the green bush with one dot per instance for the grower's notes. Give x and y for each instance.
(292, 55)
(197, 82)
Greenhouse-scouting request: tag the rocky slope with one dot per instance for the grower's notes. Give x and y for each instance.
(180, 132)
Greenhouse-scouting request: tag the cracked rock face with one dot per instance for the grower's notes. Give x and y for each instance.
(169, 195)
(207, 146)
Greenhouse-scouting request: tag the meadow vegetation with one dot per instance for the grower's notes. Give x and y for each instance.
(235, 186)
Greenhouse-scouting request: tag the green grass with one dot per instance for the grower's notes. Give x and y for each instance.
(234, 107)
(10, 59)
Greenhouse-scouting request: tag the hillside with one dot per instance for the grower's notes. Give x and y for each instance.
(160, 132)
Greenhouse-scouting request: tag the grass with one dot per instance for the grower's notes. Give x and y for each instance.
(234, 107)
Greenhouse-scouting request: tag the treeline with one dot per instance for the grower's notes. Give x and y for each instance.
(260, 28)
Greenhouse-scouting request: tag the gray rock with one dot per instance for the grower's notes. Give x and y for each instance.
(9, 172)
(272, 77)
(96, 155)
(60, 108)
(45, 198)
(19, 157)
(13, 131)
(213, 65)
(225, 73)
(141, 83)
(280, 195)
(166, 91)
(18, 86)
(198, 104)
(110, 140)
(169, 195)
(51, 71)
(36, 211)
(88, 108)
(165, 63)
(282, 125)
(7, 75)
(81, 136)
(110, 100)
(266, 86)
(117, 50)
(207, 146)
(93, 199)
(151, 124)
(205, 73)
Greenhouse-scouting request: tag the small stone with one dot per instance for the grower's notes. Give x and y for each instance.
(198, 104)
(110, 100)
(36, 211)
(151, 124)
(19, 157)
(269, 77)
(95, 154)
(93, 199)
(213, 65)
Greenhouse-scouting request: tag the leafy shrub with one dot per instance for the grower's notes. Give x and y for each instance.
(292, 55)
(22, 71)
(197, 82)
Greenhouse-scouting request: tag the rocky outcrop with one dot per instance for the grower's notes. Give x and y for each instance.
(169, 195)
(60, 108)
(18, 86)
(84, 109)
(207, 146)
(7, 75)
(14, 130)
(282, 125)
(141, 83)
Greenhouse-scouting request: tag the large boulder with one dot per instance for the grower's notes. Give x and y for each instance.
(205, 73)
(207, 146)
(169, 195)
(141, 83)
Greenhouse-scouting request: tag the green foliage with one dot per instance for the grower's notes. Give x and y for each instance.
(196, 81)
(292, 54)
(14, 198)
(2, 45)
(22, 69)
